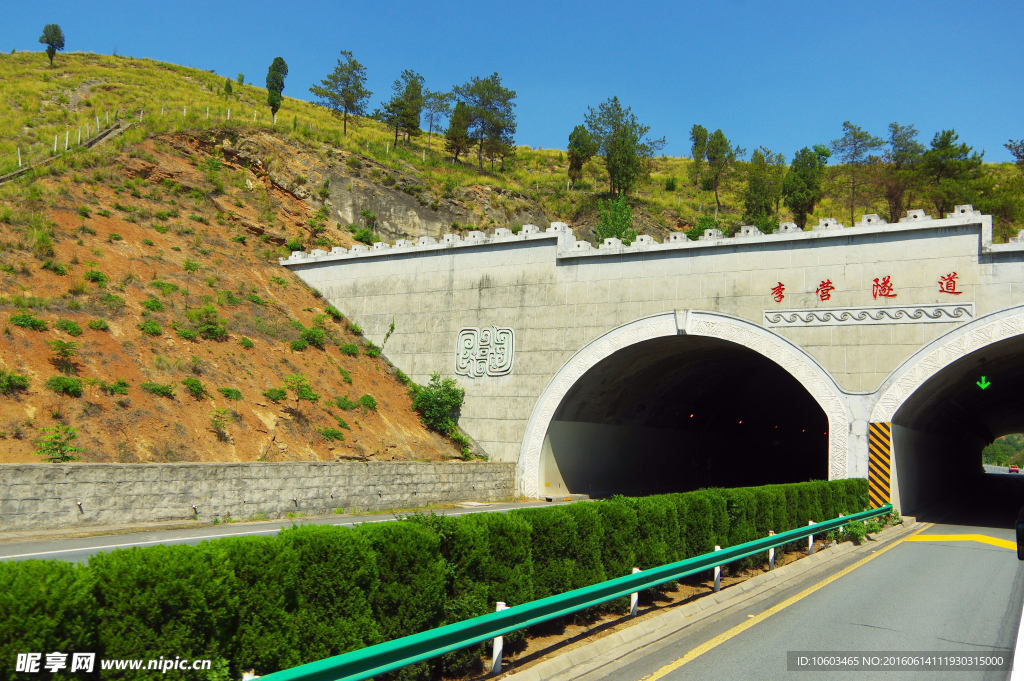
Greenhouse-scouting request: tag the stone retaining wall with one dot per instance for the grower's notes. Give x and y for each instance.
(45, 496)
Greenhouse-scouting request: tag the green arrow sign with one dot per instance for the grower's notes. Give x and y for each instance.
(983, 383)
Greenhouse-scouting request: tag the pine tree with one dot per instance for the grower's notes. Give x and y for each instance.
(275, 84)
(53, 38)
(457, 138)
(344, 91)
(802, 186)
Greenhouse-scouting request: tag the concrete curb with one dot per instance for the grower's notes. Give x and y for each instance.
(592, 656)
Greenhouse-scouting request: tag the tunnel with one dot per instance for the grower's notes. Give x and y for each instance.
(939, 431)
(680, 413)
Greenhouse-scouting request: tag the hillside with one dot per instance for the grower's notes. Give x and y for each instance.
(83, 88)
(101, 240)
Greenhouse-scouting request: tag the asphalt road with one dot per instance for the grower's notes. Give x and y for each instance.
(78, 550)
(962, 597)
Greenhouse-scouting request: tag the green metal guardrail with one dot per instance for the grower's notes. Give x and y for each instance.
(384, 657)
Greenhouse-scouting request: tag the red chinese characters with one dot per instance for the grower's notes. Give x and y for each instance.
(777, 292)
(947, 284)
(824, 291)
(882, 288)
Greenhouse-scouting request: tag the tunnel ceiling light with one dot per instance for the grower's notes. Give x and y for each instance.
(691, 416)
(804, 430)
(741, 421)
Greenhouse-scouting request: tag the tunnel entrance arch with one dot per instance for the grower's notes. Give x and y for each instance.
(940, 417)
(751, 338)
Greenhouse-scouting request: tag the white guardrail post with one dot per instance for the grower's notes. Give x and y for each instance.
(771, 552)
(718, 574)
(634, 598)
(499, 644)
(810, 540)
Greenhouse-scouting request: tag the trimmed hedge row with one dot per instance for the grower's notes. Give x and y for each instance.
(269, 603)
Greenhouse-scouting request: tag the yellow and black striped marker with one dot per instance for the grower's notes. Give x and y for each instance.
(879, 456)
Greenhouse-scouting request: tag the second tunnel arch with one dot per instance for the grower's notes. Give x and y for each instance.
(794, 361)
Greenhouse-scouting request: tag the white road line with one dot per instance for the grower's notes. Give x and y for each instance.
(1018, 654)
(218, 536)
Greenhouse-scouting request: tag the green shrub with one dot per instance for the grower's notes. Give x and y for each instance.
(96, 277)
(299, 345)
(150, 327)
(294, 244)
(46, 606)
(114, 237)
(114, 302)
(315, 337)
(349, 349)
(10, 382)
(332, 434)
(366, 236)
(334, 312)
(118, 387)
(165, 288)
(275, 394)
(186, 334)
(161, 389)
(148, 242)
(368, 402)
(345, 376)
(69, 327)
(246, 343)
(412, 575)
(195, 387)
(238, 239)
(65, 385)
(28, 320)
(253, 298)
(438, 403)
(345, 403)
(207, 324)
(371, 349)
(55, 267)
(231, 393)
(153, 305)
(99, 325)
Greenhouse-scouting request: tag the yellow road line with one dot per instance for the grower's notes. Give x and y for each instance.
(984, 539)
(740, 628)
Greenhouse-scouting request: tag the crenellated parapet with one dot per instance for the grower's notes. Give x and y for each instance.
(569, 247)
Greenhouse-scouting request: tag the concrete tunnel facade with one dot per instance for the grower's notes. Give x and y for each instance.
(583, 365)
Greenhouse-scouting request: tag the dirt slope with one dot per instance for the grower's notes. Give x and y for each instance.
(136, 217)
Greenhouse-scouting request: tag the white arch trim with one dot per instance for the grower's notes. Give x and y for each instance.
(942, 352)
(815, 379)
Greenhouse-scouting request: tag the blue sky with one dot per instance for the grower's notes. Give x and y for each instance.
(779, 74)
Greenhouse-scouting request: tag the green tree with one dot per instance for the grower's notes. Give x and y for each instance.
(721, 159)
(53, 38)
(616, 220)
(227, 87)
(802, 187)
(191, 267)
(275, 84)
(63, 354)
(765, 176)
(582, 148)
(699, 150)
(1017, 149)
(55, 444)
(436, 107)
(622, 142)
(241, 78)
(457, 140)
(489, 109)
(344, 92)
(854, 151)
(950, 171)
(299, 384)
(402, 112)
(899, 170)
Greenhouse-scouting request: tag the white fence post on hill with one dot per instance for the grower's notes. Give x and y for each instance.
(634, 598)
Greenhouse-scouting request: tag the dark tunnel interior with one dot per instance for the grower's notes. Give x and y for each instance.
(940, 430)
(682, 413)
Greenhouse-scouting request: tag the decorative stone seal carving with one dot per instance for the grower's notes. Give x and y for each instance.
(484, 352)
